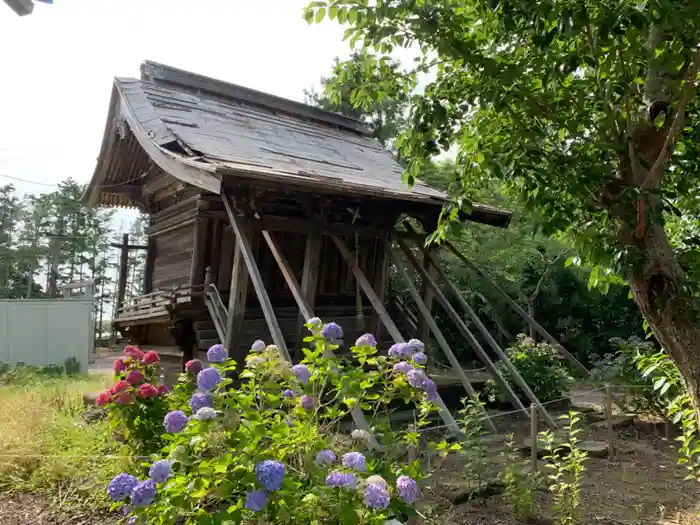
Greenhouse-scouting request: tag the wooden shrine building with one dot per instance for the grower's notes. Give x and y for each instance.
(263, 212)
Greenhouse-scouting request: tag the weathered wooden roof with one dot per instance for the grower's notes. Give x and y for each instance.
(200, 130)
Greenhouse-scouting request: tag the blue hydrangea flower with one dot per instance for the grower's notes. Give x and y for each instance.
(144, 493)
(270, 474)
(256, 500)
(160, 471)
(201, 400)
(325, 458)
(345, 480)
(400, 350)
(175, 421)
(302, 373)
(402, 367)
(217, 354)
(366, 340)
(208, 378)
(420, 358)
(417, 378)
(408, 489)
(315, 323)
(306, 402)
(355, 461)
(376, 496)
(205, 413)
(132, 521)
(430, 388)
(332, 332)
(258, 346)
(289, 394)
(121, 486)
(417, 345)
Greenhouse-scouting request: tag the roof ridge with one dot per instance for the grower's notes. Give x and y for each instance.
(156, 73)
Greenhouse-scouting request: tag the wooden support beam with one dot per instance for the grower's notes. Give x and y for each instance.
(237, 298)
(381, 285)
(148, 267)
(439, 337)
(517, 378)
(123, 270)
(427, 297)
(309, 280)
(215, 251)
(393, 330)
(463, 328)
(243, 244)
(199, 246)
(515, 306)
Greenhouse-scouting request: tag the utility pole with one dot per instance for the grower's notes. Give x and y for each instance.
(124, 248)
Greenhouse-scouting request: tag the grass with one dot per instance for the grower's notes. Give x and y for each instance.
(47, 448)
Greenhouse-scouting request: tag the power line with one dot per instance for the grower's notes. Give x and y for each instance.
(20, 179)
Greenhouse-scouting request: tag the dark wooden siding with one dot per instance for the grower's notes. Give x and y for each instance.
(173, 257)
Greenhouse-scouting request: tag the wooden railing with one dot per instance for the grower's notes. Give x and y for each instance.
(215, 306)
(159, 303)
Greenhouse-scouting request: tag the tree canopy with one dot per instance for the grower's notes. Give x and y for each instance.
(586, 109)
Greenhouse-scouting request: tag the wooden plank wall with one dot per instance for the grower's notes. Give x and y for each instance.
(173, 257)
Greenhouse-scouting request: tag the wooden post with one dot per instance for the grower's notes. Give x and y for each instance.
(393, 330)
(215, 252)
(381, 285)
(609, 416)
(307, 311)
(309, 282)
(426, 318)
(515, 306)
(148, 267)
(199, 247)
(464, 330)
(237, 297)
(123, 270)
(243, 245)
(427, 295)
(533, 436)
(517, 378)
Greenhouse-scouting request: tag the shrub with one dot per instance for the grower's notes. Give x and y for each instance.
(269, 452)
(22, 374)
(135, 404)
(541, 367)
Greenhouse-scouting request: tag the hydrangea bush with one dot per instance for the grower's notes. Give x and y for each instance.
(270, 451)
(540, 365)
(136, 404)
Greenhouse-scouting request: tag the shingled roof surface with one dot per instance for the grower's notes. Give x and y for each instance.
(202, 130)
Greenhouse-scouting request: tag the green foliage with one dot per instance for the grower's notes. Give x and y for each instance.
(474, 449)
(136, 404)
(289, 415)
(634, 389)
(566, 465)
(540, 365)
(519, 481)
(22, 374)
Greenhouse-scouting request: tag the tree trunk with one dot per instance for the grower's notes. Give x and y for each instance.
(659, 288)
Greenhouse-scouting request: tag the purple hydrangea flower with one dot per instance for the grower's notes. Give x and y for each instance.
(366, 340)
(376, 496)
(355, 461)
(302, 373)
(306, 402)
(270, 474)
(208, 378)
(258, 346)
(160, 471)
(430, 388)
(344, 480)
(409, 491)
(289, 393)
(144, 493)
(217, 354)
(402, 367)
(256, 500)
(400, 350)
(201, 400)
(205, 413)
(121, 486)
(417, 345)
(420, 358)
(175, 421)
(132, 521)
(417, 378)
(332, 332)
(325, 458)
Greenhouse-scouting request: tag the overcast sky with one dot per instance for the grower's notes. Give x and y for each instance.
(58, 63)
